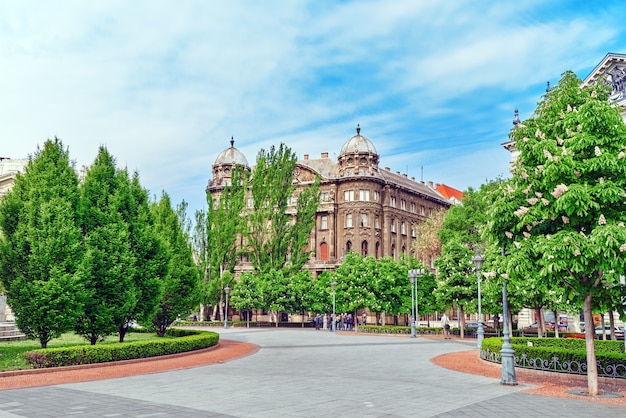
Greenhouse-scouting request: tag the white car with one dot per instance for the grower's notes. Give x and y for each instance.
(619, 333)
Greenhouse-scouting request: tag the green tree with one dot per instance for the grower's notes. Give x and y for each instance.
(181, 284)
(278, 239)
(150, 255)
(219, 244)
(108, 266)
(354, 278)
(563, 210)
(40, 245)
(245, 294)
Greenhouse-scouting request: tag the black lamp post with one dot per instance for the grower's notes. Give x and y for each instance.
(412, 277)
(478, 261)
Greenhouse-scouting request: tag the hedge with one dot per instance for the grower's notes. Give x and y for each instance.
(570, 352)
(187, 340)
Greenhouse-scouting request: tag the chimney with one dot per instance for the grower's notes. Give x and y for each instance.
(306, 156)
(430, 184)
(324, 155)
(405, 175)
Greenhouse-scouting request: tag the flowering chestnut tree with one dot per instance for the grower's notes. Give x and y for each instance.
(562, 214)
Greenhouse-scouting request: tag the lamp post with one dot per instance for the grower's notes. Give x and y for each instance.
(478, 261)
(227, 290)
(412, 277)
(507, 354)
(334, 325)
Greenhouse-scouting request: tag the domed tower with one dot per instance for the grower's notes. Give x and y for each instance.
(225, 164)
(358, 156)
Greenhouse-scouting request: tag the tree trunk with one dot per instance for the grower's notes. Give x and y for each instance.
(592, 365)
(556, 324)
(462, 316)
(602, 327)
(540, 326)
(612, 324)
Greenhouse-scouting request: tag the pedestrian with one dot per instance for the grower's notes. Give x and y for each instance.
(445, 322)
(318, 322)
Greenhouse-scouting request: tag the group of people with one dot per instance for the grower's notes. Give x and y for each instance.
(343, 322)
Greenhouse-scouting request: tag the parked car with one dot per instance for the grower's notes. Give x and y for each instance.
(619, 333)
(474, 325)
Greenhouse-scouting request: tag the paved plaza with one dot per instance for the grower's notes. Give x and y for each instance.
(304, 373)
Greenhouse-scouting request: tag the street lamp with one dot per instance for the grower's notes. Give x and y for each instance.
(334, 325)
(478, 263)
(227, 290)
(507, 354)
(412, 276)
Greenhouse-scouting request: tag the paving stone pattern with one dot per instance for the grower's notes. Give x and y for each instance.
(304, 373)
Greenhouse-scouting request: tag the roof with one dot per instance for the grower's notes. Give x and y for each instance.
(449, 192)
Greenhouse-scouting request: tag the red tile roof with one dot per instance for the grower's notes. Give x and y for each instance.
(450, 192)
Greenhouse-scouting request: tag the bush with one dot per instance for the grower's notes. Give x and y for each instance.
(186, 340)
(572, 351)
(387, 329)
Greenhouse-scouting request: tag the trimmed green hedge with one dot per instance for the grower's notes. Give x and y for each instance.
(186, 340)
(388, 329)
(570, 350)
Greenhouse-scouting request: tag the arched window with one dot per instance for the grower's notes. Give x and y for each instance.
(393, 251)
(348, 246)
(364, 248)
(323, 251)
(377, 250)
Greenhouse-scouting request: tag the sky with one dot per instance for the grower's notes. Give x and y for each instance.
(164, 85)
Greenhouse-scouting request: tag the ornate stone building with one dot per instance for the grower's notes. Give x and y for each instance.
(363, 207)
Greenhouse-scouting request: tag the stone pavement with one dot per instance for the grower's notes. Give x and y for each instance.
(304, 373)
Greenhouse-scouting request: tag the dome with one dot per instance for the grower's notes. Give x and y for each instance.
(358, 143)
(231, 156)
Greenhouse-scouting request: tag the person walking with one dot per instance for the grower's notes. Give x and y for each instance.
(445, 323)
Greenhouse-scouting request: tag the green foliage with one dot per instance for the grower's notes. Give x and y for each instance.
(181, 283)
(562, 213)
(108, 266)
(185, 341)
(40, 245)
(276, 240)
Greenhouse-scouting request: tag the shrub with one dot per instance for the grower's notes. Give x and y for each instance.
(186, 340)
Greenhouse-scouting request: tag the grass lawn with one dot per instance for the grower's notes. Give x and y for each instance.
(11, 352)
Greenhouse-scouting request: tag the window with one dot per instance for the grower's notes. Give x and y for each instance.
(393, 225)
(348, 195)
(364, 248)
(349, 220)
(324, 222)
(392, 202)
(377, 222)
(403, 204)
(250, 203)
(364, 220)
(422, 210)
(324, 197)
(403, 228)
(364, 195)
(413, 232)
(376, 196)
(413, 209)
(377, 249)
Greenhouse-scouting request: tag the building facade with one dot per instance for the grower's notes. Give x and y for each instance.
(363, 207)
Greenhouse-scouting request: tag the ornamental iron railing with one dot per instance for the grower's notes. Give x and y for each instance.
(615, 371)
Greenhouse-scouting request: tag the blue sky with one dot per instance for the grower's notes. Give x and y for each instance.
(165, 84)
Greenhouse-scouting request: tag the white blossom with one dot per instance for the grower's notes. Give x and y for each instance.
(547, 154)
(538, 194)
(517, 244)
(565, 219)
(569, 108)
(622, 248)
(559, 190)
(602, 220)
(521, 211)
(597, 151)
(576, 252)
(508, 234)
(545, 201)
(620, 155)
(526, 234)
(532, 200)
